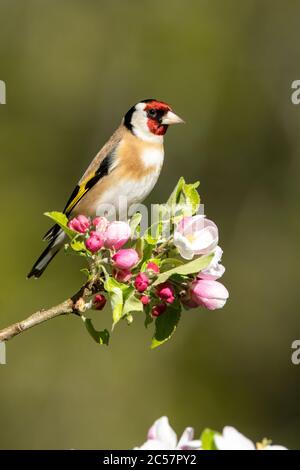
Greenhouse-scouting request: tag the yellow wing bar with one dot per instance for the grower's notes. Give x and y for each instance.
(80, 191)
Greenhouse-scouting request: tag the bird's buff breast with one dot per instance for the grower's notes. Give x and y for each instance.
(129, 191)
(136, 171)
(135, 175)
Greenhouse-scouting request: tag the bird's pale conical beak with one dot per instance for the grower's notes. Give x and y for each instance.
(171, 118)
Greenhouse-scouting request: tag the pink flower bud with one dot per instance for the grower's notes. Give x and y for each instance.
(79, 224)
(165, 292)
(157, 310)
(141, 282)
(117, 234)
(209, 294)
(122, 275)
(153, 267)
(99, 302)
(95, 242)
(145, 299)
(101, 223)
(125, 259)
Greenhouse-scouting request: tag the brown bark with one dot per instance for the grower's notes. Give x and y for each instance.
(75, 304)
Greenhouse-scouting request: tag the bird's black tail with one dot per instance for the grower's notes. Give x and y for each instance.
(48, 254)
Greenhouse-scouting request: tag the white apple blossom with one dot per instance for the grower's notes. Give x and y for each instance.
(231, 439)
(195, 236)
(214, 270)
(162, 437)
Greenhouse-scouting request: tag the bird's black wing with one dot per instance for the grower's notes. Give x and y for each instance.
(81, 189)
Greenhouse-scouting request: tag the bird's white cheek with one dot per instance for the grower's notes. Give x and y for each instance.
(141, 129)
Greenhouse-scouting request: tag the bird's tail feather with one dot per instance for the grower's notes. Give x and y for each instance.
(52, 232)
(47, 255)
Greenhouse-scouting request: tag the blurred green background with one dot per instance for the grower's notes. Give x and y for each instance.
(72, 69)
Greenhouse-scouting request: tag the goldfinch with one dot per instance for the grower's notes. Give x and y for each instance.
(127, 166)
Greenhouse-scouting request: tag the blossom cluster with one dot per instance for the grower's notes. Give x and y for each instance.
(156, 274)
(161, 436)
(193, 235)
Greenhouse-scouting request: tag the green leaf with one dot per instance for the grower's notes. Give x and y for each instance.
(175, 195)
(191, 267)
(149, 318)
(101, 337)
(192, 198)
(112, 283)
(148, 237)
(158, 230)
(62, 220)
(134, 222)
(58, 217)
(139, 246)
(115, 291)
(132, 303)
(161, 229)
(208, 439)
(152, 233)
(78, 245)
(165, 325)
(147, 254)
(186, 197)
(116, 301)
(168, 263)
(155, 261)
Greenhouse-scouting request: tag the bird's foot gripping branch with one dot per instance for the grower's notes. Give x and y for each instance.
(151, 274)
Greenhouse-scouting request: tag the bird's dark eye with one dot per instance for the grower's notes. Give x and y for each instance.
(152, 113)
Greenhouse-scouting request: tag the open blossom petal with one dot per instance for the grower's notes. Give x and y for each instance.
(195, 236)
(213, 273)
(231, 439)
(214, 270)
(187, 442)
(162, 431)
(184, 246)
(152, 444)
(162, 437)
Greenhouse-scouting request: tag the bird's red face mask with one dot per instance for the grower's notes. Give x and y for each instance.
(159, 117)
